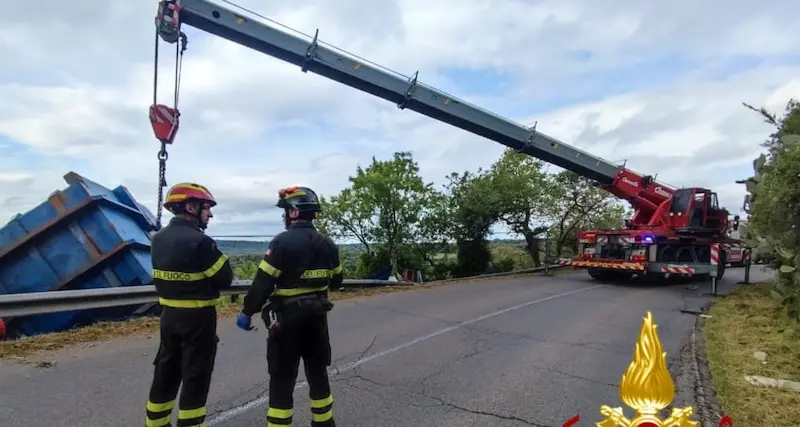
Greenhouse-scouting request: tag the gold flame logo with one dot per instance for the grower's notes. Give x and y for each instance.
(647, 387)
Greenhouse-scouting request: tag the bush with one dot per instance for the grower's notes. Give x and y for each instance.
(473, 257)
(441, 270)
(773, 203)
(505, 264)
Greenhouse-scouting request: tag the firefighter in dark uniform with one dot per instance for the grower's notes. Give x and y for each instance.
(188, 273)
(290, 290)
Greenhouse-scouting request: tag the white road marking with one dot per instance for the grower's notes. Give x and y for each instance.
(233, 412)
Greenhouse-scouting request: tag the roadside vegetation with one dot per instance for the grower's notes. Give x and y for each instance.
(756, 330)
(400, 222)
(741, 326)
(389, 219)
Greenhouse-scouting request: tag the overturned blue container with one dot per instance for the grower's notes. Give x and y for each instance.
(85, 236)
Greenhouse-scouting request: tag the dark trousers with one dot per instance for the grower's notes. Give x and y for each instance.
(185, 355)
(303, 334)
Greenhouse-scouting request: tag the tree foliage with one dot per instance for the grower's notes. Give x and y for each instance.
(773, 204)
(474, 209)
(525, 194)
(392, 220)
(401, 222)
(577, 204)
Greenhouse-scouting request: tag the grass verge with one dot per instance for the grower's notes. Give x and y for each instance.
(24, 350)
(742, 323)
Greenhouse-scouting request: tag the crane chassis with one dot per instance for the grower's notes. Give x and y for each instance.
(673, 231)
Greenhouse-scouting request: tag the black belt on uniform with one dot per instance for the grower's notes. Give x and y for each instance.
(302, 299)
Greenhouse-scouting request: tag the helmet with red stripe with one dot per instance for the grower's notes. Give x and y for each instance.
(187, 192)
(303, 199)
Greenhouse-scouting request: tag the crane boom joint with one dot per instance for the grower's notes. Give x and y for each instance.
(528, 142)
(412, 85)
(311, 52)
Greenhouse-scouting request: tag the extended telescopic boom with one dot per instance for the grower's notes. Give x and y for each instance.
(641, 191)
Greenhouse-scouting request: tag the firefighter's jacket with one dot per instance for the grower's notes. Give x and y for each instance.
(299, 261)
(188, 269)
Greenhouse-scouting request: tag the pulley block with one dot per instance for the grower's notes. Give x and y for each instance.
(168, 20)
(165, 122)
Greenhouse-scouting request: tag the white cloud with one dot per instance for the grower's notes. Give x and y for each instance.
(658, 84)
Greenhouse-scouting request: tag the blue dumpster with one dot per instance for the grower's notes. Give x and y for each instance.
(84, 236)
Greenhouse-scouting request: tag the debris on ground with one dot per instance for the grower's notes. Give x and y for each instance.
(760, 381)
(748, 339)
(21, 349)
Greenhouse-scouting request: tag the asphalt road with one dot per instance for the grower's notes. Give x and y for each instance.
(518, 352)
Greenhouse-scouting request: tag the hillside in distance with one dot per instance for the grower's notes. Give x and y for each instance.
(246, 247)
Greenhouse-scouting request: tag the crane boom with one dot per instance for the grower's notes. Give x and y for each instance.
(670, 225)
(406, 93)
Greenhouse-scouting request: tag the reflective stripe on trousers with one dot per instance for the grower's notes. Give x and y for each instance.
(279, 417)
(160, 415)
(321, 413)
(322, 410)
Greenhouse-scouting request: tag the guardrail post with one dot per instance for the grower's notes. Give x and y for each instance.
(546, 257)
(747, 262)
(714, 258)
(714, 285)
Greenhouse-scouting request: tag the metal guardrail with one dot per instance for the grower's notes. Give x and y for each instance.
(14, 305)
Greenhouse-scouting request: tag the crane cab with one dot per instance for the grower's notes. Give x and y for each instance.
(696, 211)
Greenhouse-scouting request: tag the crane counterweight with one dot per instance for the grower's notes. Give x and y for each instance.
(671, 232)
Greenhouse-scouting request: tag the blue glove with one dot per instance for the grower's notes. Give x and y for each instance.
(244, 322)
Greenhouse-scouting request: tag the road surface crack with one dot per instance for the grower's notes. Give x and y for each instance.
(592, 345)
(452, 405)
(410, 314)
(477, 348)
(577, 377)
(440, 402)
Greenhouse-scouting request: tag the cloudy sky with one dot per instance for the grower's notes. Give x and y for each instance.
(659, 84)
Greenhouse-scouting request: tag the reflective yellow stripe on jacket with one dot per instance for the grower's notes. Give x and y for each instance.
(180, 276)
(188, 303)
(319, 273)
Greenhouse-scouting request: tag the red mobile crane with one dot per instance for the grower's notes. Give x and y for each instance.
(673, 231)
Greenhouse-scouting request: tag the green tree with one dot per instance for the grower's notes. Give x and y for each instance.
(774, 204)
(576, 204)
(346, 216)
(475, 208)
(388, 208)
(524, 194)
(789, 124)
(434, 231)
(398, 197)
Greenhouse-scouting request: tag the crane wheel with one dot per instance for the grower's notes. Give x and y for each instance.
(721, 266)
(667, 254)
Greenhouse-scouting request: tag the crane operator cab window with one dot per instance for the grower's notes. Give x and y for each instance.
(697, 210)
(681, 200)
